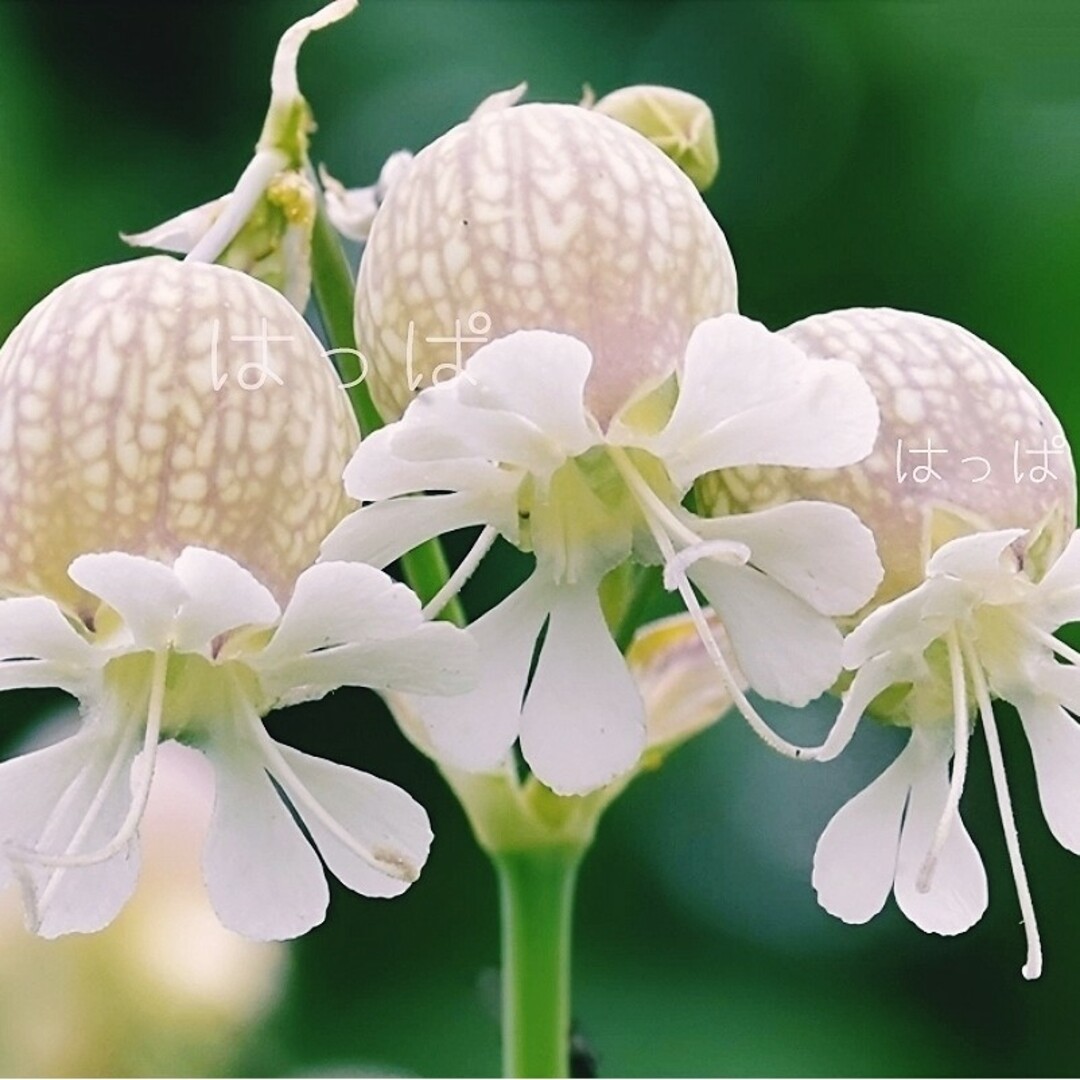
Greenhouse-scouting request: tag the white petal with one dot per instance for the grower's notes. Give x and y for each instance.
(382, 532)
(434, 658)
(377, 469)
(1054, 737)
(1056, 599)
(584, 721)
(38, 674)
(181, 233)
(874, 677)
(146, 594)
(539, 375)
(501, 99)
(34, 627)
(957, 895)
(855, 859)
(750, 397)
(264, 878)
(475, 731)
(351, 210)
(378, 815)
(821, 552)
(69, 799)
(980, 559)
(910, 622)
(787, 650)
(340, 603)
(222, 596)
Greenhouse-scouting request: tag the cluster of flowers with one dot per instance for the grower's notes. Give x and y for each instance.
(185, 561)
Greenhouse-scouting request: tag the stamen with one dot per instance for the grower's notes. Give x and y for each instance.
(128, 828)
(729, 552)
(386, 861)
(651, 502)
(655, 513)
(283, 84)
(454, 584)
(1032, 969)
(1066, 652)
(961, 740)
(139, 799)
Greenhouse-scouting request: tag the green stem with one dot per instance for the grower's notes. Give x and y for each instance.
(536, 888)
(425, 568)
(332, 283)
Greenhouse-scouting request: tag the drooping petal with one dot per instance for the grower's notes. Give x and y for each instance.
(181, 233)
(475, 731)
(382, 532)
(821, 552)
(750, 397)
(222, 595)
(263, 877)
(69, 799)
(957, 896)
(377, 815)
(855, 859)
(146, 594)
(788, 651)
(1054, 737)
(875, 676)
(584, 721)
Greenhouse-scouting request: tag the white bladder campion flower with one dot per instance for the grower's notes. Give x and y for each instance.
(979, 574)
(512, 444)
(264, 226)
(166, 499)
(538, 216)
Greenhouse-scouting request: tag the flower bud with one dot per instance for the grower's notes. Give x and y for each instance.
(155, 404)
(966, 444)
(539, 216)
(679, 123)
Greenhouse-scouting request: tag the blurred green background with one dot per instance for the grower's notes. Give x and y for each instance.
(915, 155)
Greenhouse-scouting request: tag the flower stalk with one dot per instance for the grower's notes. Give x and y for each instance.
(425, 568)
(536, 891)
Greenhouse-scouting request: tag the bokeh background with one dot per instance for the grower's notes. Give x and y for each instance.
(916, 155)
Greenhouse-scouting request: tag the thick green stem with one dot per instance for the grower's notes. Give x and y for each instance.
(425, 568)
(536, 888)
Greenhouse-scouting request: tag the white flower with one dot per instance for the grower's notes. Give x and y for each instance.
(199, 651)
(979, 623)
(511, 444)
(264, 225)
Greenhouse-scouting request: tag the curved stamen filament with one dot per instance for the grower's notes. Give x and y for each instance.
(140, 796)
(385, 861)
(651, 507)
(456, 581)
(23, 857)
(961, 741)
(1066, 652)
(1032, 969)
